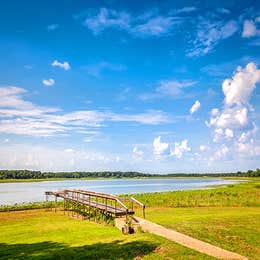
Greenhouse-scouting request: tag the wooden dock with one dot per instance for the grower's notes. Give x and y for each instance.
(89, 203)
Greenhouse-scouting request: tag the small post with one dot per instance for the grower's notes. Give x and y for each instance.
(55, 203)
(46, 201)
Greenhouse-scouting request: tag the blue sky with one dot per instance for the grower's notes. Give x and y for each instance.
(153, 86)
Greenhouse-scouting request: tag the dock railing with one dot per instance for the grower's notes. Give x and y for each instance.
(99, 201)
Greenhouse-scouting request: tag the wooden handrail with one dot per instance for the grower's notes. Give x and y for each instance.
(137, 202)
(100, 195)
(93, 196)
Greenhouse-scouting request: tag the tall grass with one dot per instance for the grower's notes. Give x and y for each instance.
(235, 195)
(30, 205)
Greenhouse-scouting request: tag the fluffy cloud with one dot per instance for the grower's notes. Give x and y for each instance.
(238, 90)
(221, 152)
(230, 117)
(195, 107)
(180, 148)
(64, 65)
(250, 29)
(229, 133)
(159, 147)
(48, 82)
(18, 116)
(245, 136)
(203, 148)
(248, 149)
(233, 124)
(137, 153)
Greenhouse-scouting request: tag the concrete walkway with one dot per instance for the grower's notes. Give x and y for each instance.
(187, 241)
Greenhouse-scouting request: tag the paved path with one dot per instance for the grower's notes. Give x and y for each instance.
(187, 241)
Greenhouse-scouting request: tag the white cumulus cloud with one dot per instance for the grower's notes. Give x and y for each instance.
(238, 90)
(64, 65)
(48, 82)
(137, 153)
(203, 148)
(180, 148)
(229, 133)
(159, 147)
(233, 124)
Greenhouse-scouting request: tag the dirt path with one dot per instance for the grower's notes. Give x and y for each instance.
(188, 241)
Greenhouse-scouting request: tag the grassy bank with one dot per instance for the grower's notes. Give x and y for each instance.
(37, 234)
(27, 206)
(233, 195)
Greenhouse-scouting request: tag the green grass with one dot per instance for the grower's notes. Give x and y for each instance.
(29, 205)
(37, 234)
(232, 228)
(234, 195)
(228, 217)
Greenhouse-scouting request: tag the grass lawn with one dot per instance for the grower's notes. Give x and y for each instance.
(37, 234)
(228, 217)
(233, 228)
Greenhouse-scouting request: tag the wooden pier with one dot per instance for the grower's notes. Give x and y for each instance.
(96, 205)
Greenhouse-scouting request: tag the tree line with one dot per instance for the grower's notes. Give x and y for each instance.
(28, 174)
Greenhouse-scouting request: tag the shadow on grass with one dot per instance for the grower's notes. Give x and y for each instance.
(52, 250)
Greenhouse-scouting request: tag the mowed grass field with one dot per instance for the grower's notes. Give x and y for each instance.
(228, 217)
(40, 234)
(233, 228)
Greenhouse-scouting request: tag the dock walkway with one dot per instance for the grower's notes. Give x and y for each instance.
(105, 203)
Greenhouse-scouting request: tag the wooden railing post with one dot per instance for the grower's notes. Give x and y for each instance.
(55, 203)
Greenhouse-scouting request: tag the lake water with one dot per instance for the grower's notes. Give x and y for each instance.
(11, 193)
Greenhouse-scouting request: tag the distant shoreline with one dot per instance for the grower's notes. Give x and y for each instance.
(37, 176)
(116, 178)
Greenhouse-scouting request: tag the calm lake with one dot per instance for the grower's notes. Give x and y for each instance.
(11, 193)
